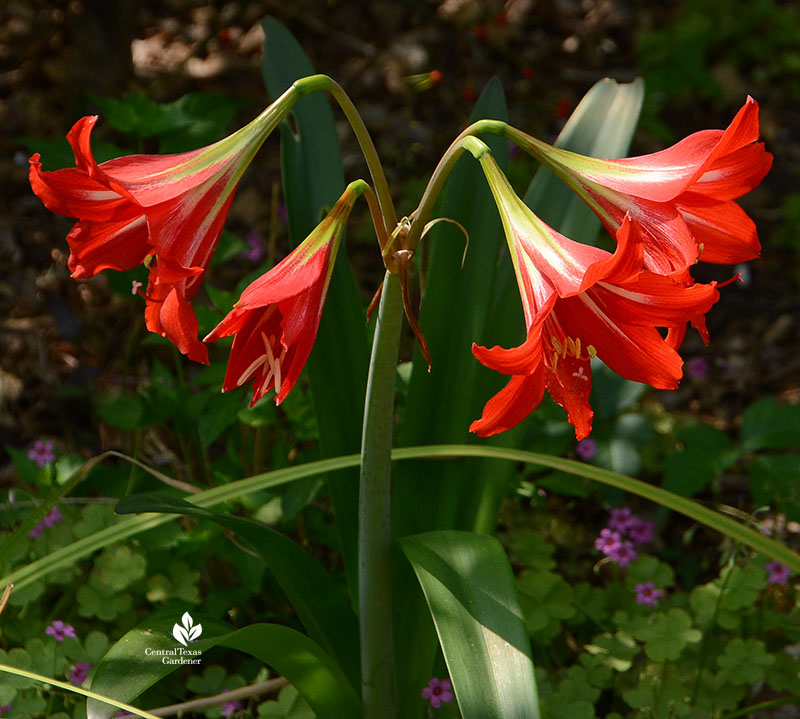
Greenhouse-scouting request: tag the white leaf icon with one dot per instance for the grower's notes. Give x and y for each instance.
(188, 632)
(180, 634)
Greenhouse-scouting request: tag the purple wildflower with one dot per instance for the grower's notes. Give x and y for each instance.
(256, 246)
(620, 518)
(640, 531)
(79, 673)
(53, 517)
(60, 631)
(608, 541)
(42, 453)
(438, 691)
(5, 709)
(586, 449)
(697, 368)
(230, 708)
(778, 573)
(623, 554)
(646, 593)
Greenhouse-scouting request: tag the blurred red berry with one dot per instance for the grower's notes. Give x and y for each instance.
(436, 76)
(563, 108)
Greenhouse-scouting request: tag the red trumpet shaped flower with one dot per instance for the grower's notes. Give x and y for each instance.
(166, 211)
(682, 197)
(580, 302)
(276, 318)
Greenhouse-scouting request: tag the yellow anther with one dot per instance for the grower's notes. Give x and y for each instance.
(571, 346)
(557, 345)
(592, 351)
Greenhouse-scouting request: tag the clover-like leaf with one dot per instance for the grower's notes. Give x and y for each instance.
(532, 550)
(650, 569)
(745, 661)
(290, 705)
(119, 567)
(546, 599)
(668, 634)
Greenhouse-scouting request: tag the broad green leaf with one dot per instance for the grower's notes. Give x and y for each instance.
(440, 404)
(135, 663)
(705, 453)
(125, 412)
(768, 425)
(312, 592)
(137, 114)
(601, 126)
(313, 179)
(775, 481)
(57, 153)
(469, 586)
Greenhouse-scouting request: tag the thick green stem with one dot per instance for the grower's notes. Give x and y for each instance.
(375, 607)
(307, 85)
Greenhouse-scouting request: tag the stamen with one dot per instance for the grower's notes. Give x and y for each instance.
(265, 383)
(274, 365)
(249, 371)
(571, 346)
(592, 351)
(556, 344)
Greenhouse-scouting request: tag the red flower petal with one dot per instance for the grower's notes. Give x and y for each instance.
(180, 325)
(511, 405)
(723, 230)
(97, 246)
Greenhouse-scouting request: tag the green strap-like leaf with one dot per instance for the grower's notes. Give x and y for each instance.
(313, 179)
(440, 404)
(470, 589)
(601, 126)
(135, 663)
(125, 528)
(318, 600)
